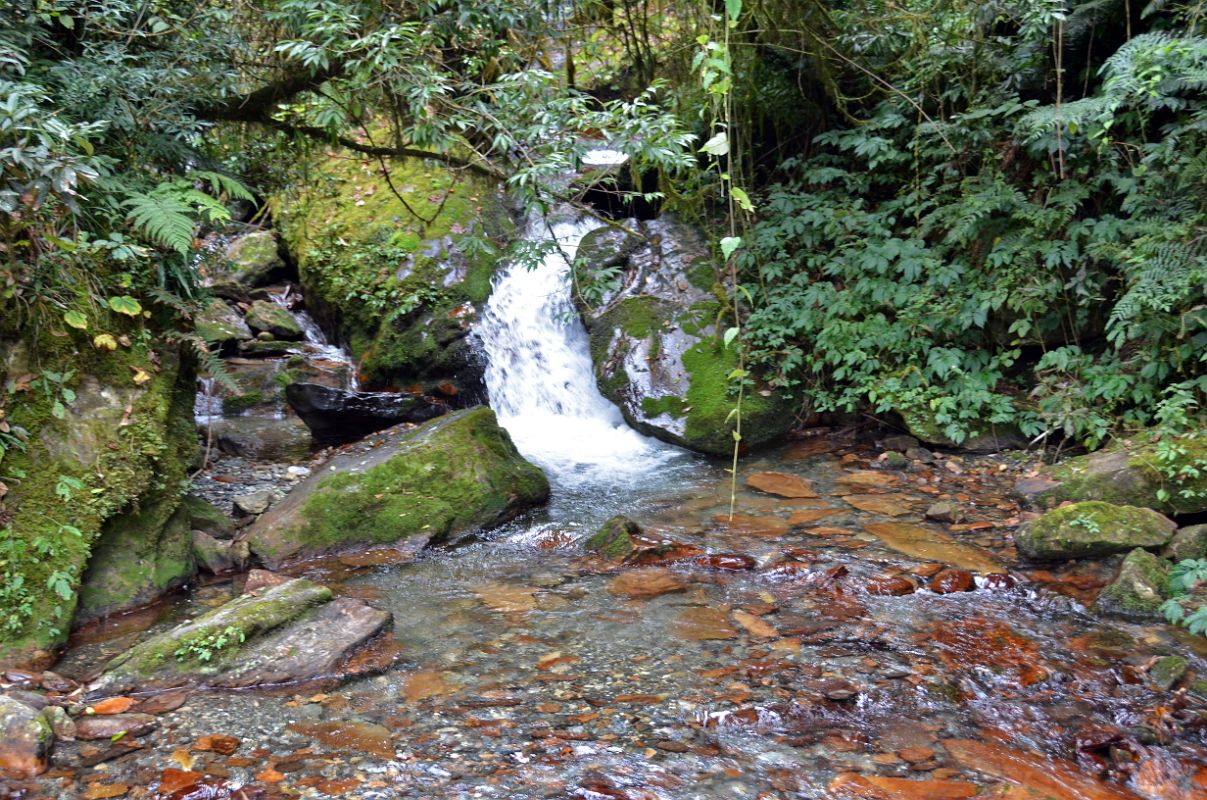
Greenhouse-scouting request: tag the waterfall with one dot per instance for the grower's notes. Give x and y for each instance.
(541, 380)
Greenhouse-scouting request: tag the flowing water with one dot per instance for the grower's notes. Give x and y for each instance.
(753, 659)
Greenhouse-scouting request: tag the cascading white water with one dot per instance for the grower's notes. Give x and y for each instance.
(540, 377)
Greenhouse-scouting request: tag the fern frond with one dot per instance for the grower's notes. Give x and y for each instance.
(164, 218)
(223, 184)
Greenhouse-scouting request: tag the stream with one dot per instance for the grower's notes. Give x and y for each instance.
(759, 656)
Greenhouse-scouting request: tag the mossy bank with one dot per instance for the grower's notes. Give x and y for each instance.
(396, 268)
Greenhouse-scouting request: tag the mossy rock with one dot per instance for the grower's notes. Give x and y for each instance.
(657, 351)
(252, 260)
(988, 438)
(614, 539)
(268, 317)
(402, 290)
(26, 739)
(140, 556)
(1093, 528)
(1139, 589)
(454, 475)
(201, 515)
(125, 445)
(221, 325)
(1189, 542)
(1167, 671)
(1126, 474)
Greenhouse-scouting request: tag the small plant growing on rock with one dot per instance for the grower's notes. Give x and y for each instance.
(205, 647)
(1183, 579)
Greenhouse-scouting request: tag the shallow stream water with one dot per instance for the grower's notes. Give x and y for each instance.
(745, 658)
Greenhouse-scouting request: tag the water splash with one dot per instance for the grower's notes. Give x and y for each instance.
(541, 380)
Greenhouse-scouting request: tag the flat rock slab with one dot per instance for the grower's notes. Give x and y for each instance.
(284, 633)
(931, 544)
(644, 583)
(111, 725)
(781, 484)
(1048, 777)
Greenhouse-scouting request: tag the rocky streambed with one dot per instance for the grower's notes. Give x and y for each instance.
(854, 630)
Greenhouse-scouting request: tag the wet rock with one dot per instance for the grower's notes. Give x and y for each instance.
(952, 580)
(920, 454)
(260, 579)
(455, 475)
(944, 511)
(253, 503)
(285, 633)
(894, 586)
(748, 525)
(54, 682)
(215, 556)
(646, 582)
(252, 260)
(654, 343)
(268, 317)
(1092, 528)
(781, 484)
(62, 724)
(894, 460)
(838, 689)
(899, 442)
(1188, 542)
(26, 739)
(201, 515)
(1139, 588)
(109, 726)
(1125, 475)
(932, 544)
(881, 787)
(702, 623)
(338, 415)
(221, 325)
(724, 562)
(1044, 776)
(263, 438)
(35, 700)
(883, 504)
(614, 539)
(1167, 671)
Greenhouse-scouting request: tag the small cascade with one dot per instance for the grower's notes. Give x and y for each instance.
(541, 380)
(318, 348)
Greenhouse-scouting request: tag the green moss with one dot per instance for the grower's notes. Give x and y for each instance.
(709, 425)
(241, 402)
(122, 441)
(1136, 475)
(614, 539)
(1092, 528)
(1139, 588)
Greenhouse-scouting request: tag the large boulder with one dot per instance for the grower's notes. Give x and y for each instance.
(140, 556)
(986, 438)
(221, 325)
(265, 316)
(25, 739)
(456, 474)
(1093, 528)
(1172, 480)
(284, 633)
(655, 342)
(250, 260)
(396, 271)
(1139, 589)
(337, 415)
(1188, 542)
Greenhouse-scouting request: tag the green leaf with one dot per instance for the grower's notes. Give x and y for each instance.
(125, 305)
(76, 320)
(734, 9)
(731, 334)
(730, 244)
(717, 146)
(742, 199)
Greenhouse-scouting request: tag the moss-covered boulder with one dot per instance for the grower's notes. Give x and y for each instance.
(1188, 542)
(202, 515)
(398, 278)
(141, 555)
(453, 475)
(656, 344)
(249, 260)
(985, 438)
(1171, 479)
(221, 325)
(288, 632)
(1092, 528)
(25, 740)
(265, 316)
(614, 539)
(1139, 589)
(107, 446)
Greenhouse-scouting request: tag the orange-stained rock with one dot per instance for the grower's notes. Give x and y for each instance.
(869, 479)
(878, 787)
(646, 582)
(1049, 777)
(894, 586)
(702, 623)
(808, 516)
(885, 504)
(781, 484)
(952, 580)
(766, 527)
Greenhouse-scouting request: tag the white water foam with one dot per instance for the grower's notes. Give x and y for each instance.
(541, 380)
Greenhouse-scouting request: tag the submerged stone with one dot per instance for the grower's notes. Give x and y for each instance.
(454, 475)
(1139, 588)
(929, 543)
(1092, 528)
